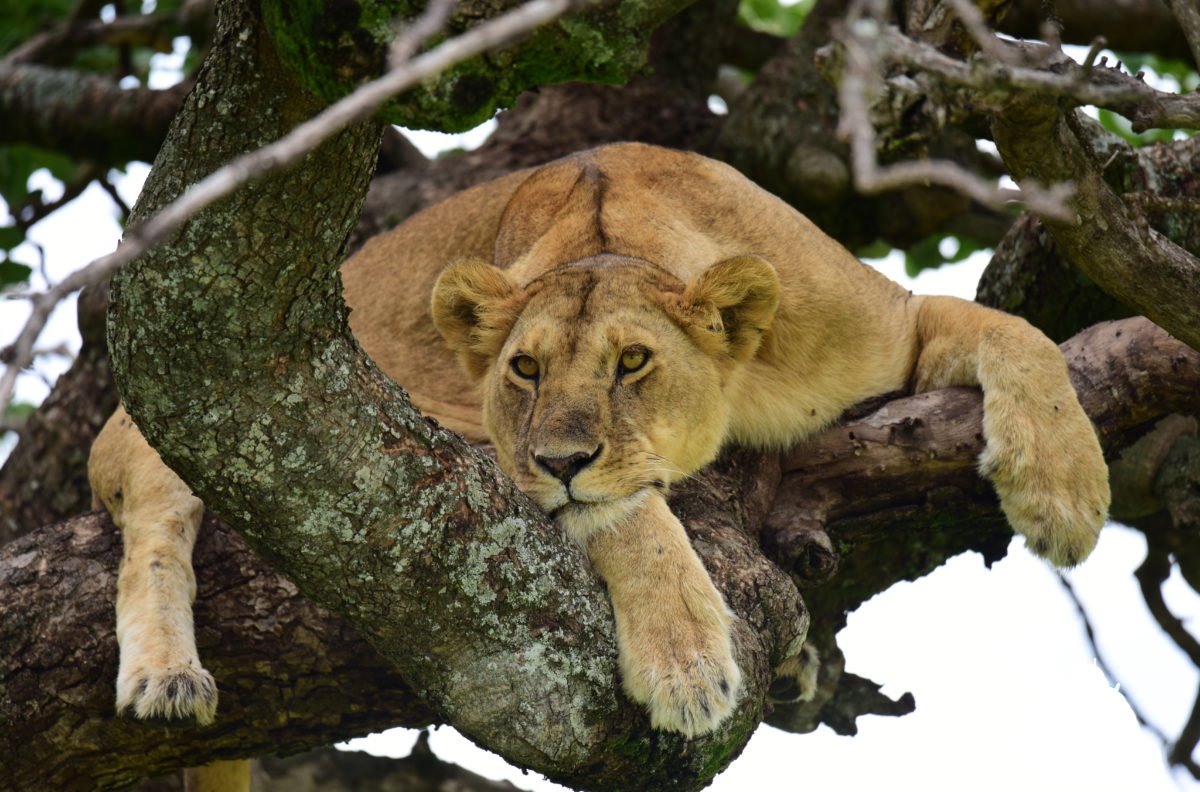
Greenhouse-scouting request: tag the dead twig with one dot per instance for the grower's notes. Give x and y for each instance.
(1105, 669)
(864, 38)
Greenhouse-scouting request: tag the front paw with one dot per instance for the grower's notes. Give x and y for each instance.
(174, 695)
(688, 680)
(1055, 490)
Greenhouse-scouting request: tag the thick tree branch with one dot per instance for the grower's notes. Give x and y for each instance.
(1111, 242)
(85, 116)
(291, 675)
(1128, 25)
(908, 469)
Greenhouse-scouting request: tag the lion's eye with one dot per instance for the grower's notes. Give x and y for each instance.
(633, 359)
(525, 366)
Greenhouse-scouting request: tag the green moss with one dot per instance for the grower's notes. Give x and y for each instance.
(332, 47)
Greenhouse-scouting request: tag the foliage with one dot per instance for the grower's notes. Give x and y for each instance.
(25, 18)
(609, 47)
(927, 254)
(772, 16)
(17, 164)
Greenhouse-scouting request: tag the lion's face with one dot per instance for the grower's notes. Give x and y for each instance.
(602, 380)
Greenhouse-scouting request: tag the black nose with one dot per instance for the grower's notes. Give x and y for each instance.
(565, 468)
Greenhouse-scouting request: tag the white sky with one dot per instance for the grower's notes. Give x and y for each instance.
(1008, 695)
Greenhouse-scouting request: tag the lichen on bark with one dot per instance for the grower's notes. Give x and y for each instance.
(332, 48)
(234, 357)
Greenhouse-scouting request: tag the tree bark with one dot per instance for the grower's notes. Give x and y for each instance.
(1110, 241)
(276, 420)
(291, 675)
(84, 116)
(45, 478)
(894, 500)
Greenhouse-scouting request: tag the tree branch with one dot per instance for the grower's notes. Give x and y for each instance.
(1188, 16)
(1129, 25)
(286, 151)
(1117, 249)
(908, 468)
(291, 675)
(82, 115)
(58, 46)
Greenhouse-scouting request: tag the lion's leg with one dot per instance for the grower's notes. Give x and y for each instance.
(160, 676)
(229, 776)
(673, 627)
(1042, 454)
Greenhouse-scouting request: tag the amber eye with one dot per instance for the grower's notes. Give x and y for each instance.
(633, 359)
(525, 367)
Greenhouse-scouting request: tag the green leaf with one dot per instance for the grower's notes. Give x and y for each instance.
(770, 16)
(13, 273)
(1119, 125)
(17, 164)
(10, 237)
(927, 253)
(25, 18)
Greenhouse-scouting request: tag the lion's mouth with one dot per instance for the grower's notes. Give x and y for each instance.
(580, 519)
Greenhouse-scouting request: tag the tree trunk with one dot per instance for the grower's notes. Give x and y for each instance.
(276, 420)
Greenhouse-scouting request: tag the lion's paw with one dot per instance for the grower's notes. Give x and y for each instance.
(691, 687)
(1054, 491)
(795, 679)
(175, 695)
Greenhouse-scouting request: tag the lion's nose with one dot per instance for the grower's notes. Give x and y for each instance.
(565, 468)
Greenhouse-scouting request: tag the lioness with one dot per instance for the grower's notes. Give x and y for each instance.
(617, 317)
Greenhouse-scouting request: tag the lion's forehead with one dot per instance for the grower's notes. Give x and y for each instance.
(591, 315)
(592, 336)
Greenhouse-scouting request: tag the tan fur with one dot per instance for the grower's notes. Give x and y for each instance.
(231, 776)
(759, 330)
(160, 676)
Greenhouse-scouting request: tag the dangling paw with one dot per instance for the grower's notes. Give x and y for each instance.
(177, 695)
(1053, 490)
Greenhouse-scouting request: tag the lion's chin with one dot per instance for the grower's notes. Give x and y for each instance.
(581, 519)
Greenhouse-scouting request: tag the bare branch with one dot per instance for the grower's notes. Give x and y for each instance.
(1105, 669)
(409, 39)
(1064, 80)
(152, 30)
(865, 40)
(283, 152)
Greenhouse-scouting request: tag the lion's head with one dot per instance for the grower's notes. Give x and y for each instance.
(603, 379)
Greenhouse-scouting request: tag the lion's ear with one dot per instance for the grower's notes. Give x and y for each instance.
(474, 307)
(735, 303)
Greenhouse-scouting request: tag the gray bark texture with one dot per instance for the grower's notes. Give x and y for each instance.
(274, 417)
(232, 348)
(273, 652)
